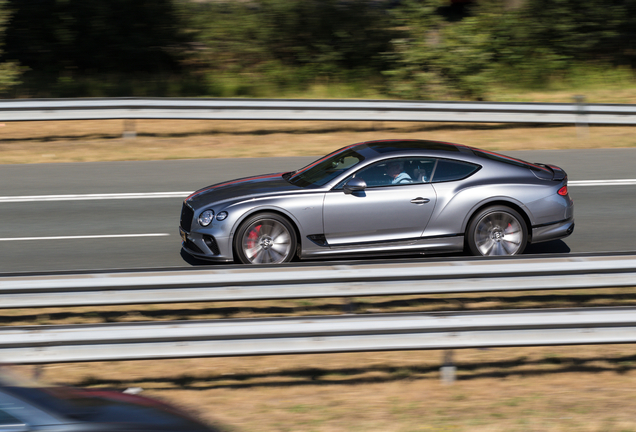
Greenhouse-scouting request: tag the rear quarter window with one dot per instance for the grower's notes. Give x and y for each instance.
(450, 170)
(7, 419)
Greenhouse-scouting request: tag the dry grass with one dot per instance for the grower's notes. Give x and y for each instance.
(75, 141)
(620, 92)
(585, 389)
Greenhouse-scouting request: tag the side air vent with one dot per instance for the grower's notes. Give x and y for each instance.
(211, 243)
(318, 239)
(189, 244)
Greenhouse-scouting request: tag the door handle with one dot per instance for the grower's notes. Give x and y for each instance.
(420, 200)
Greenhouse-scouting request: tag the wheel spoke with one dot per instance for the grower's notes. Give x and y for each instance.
(282, 238)
(266, 256)
(488, 248)
(509, 247)
(276, 231)
(266, 228)
(258, 257)
(275, 256)
(250, 253)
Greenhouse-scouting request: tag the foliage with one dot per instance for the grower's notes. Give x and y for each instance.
(289, 43)
(10, 71)
(418, 49)
(93, 36)
(437, 59)
(542, 41)
(545, 39)
(69, 43)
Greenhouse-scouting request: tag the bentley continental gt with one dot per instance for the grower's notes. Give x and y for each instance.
(378, 198)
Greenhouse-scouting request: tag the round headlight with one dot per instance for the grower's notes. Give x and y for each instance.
(206, 217)
(221, 216)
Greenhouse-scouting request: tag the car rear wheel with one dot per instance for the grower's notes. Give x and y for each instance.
(497, 231)
(265, 238)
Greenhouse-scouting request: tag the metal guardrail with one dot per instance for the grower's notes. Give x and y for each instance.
(266, 283)
(332, 110)
(309, 335)
(305, 335)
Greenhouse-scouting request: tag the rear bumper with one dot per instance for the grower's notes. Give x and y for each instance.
(554, 231)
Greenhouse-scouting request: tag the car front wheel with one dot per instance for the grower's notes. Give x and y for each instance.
(497, 231)
(265, 238)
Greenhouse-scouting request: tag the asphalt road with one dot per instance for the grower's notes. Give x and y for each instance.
(41, 235)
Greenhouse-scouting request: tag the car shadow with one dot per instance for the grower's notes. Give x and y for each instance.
(550, 247)
(193, 261)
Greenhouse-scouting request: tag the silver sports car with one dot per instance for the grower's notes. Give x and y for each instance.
(381, 197)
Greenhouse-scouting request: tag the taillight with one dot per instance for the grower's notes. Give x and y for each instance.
(563, 191)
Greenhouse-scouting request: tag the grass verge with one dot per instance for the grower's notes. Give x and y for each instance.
(89, 141)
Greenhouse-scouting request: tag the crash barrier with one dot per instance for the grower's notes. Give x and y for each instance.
(577, 112)
(311, 335)
(247, 283)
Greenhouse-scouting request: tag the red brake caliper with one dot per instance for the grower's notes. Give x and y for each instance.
(252, 237)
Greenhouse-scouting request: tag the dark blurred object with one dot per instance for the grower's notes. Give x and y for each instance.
(30, 406)
(92, 36)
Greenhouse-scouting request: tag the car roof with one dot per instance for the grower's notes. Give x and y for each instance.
(384, 147)
(393, 145)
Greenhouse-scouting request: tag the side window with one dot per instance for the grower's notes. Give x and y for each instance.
(400, 171)
(7, 421)
(451, 170)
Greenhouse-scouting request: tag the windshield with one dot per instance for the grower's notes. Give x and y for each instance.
(326, 169)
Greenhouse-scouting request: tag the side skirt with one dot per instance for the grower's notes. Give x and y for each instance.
(441, 244)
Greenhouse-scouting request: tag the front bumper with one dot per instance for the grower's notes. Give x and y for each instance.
(205, 246)
(554, 231)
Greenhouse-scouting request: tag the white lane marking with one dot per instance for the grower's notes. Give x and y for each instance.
(618, 182)
(85, 237)
(149, 195)
(88, 197)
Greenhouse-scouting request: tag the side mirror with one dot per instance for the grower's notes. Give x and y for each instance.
(353, 185)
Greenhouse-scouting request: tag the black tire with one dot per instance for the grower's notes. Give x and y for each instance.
(497, 231)
(265, 238)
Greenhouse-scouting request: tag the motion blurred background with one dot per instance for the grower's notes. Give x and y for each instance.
(500, 50)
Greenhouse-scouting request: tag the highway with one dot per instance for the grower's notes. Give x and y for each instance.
(49, 224)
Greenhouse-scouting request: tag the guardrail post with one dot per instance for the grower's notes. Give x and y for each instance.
(348, 306)
(581, 121)
(130, 130)
(37, 372)
(448, 370)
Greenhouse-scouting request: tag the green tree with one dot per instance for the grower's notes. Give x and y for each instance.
(290, 40)
(528, 46)
(93, 36)
(546, 39)
(436, 59)
(10, 71)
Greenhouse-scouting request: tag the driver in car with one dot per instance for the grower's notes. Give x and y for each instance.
(395, 170)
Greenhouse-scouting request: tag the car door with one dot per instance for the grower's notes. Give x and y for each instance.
(383, 212)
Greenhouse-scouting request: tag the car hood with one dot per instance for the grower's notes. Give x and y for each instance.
(241, 188)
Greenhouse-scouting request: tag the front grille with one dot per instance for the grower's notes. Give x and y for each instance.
(186, 217)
